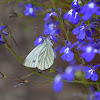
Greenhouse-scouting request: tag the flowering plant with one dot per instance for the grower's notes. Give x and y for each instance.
(75, 31)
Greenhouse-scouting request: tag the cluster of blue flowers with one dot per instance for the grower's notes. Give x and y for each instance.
(69, 75)
(93, 95)
(86, 43)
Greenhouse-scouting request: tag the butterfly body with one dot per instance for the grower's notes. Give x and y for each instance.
(41, 56)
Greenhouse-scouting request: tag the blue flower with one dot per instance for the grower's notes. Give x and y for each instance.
(88, 53)
(80, 31)
(90, 72)
(76, 18)
(90, 50)
(3, 27)
(51, 29)
(97, 95)
(30, 10)
(93, 95)
(89, 9)
(69, 15)
(1, 42)
(58, 83)
(69, 74)
(72, 16)
(75, 5)
(4, 33)
(52, 37)
(38, 41)
(68, 55)
(48, 15)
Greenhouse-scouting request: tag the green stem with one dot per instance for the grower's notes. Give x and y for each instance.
(85, 82)
(62, 26)
(78, 58)
(27, 75)
(15, 55)
(90, 27)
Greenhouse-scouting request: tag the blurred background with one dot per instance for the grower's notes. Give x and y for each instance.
(25, 30)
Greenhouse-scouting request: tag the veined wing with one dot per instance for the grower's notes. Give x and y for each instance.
(46, 58)
(32, 57)
(41, 56)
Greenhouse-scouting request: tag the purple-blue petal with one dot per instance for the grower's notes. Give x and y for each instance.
(62, 49)
(94, 77)
(87, 75)
(29, 5)
(88, 56)
(2, 42)
(81, 35)
(26, 12)
(69, 56)
(33, 14)
(2, 27)
(5, 33)
(57, 84)
(69, 74)
(76, 30)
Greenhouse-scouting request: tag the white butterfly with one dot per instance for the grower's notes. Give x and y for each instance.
(41, 56)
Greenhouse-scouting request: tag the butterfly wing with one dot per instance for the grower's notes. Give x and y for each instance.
(41, 56)
(46, 58)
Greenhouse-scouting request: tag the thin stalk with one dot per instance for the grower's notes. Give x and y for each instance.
(90, 27)
(27, 75)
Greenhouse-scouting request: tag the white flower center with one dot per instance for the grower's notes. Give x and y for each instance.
(91, 71)
(51, 26)
(40, 39)
(75, 2)
(76, 14)
(66, 50)
(70, 12)
(31, 10)
(95, 50)
(52, 13)
(89, 49)
(82, 27)
(58, 78)
(91, 5)
(68, 69)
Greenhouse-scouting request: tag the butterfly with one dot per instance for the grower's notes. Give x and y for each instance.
(41, 57)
